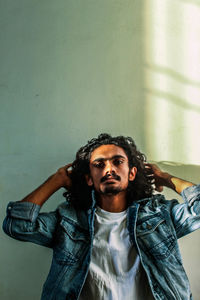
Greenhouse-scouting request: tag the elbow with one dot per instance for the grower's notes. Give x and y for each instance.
(6, 226)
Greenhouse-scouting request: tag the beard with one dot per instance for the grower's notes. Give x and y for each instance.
(111, 190)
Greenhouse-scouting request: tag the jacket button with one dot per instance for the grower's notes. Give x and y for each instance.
(149, 226)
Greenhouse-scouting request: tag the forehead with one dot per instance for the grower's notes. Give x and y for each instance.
(108, 151)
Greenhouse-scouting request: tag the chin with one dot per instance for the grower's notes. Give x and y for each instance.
(111, 190)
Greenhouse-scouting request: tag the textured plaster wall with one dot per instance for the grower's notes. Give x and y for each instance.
(69, 71)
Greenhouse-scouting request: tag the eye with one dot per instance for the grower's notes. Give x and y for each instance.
(99, 165)
(118, 161)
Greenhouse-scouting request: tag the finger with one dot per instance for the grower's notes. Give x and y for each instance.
(159, 188)
(149, 172)
(68, 167)
(150, 175)
(147, 166)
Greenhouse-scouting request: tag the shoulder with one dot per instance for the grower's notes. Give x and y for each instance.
(65, 208)
(67, 212)
(157, 204)
(156, 200)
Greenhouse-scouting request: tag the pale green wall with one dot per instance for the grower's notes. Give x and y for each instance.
(70, 69)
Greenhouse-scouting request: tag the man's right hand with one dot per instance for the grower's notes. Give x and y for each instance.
(63, 174)
(56, 181)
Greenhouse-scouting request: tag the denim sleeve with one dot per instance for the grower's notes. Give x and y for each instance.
(186, 216)
(24, 222)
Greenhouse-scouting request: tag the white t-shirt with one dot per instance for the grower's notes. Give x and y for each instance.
(115, 271)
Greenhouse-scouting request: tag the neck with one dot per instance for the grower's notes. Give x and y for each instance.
(113, 203)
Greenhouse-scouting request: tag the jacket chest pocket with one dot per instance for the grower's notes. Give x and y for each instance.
(155, 237)
(72, 242)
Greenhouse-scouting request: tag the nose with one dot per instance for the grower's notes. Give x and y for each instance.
(109, 168)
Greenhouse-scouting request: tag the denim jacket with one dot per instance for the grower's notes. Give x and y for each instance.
(154, 225)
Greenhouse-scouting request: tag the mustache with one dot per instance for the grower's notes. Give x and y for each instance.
(114, 176)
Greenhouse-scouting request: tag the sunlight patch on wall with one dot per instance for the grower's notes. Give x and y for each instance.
(172, 80)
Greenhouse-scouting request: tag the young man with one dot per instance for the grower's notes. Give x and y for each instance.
(113, 238)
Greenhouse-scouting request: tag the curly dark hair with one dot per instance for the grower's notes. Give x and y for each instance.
(80, 193)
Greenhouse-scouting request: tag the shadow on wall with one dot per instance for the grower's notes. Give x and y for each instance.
(172, 75)
(172, 80)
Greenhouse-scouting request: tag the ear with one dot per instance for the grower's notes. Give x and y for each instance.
(88, 179)
(132, 173)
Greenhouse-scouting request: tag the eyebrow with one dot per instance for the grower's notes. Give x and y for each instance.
(106, 158)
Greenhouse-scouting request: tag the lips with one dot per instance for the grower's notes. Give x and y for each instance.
(110, 180)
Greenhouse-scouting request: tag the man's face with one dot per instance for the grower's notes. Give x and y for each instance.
(109, 170)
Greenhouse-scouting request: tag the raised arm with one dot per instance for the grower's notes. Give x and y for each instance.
(24, 220)
(56, 181)
(161, 179)
(185, 215)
